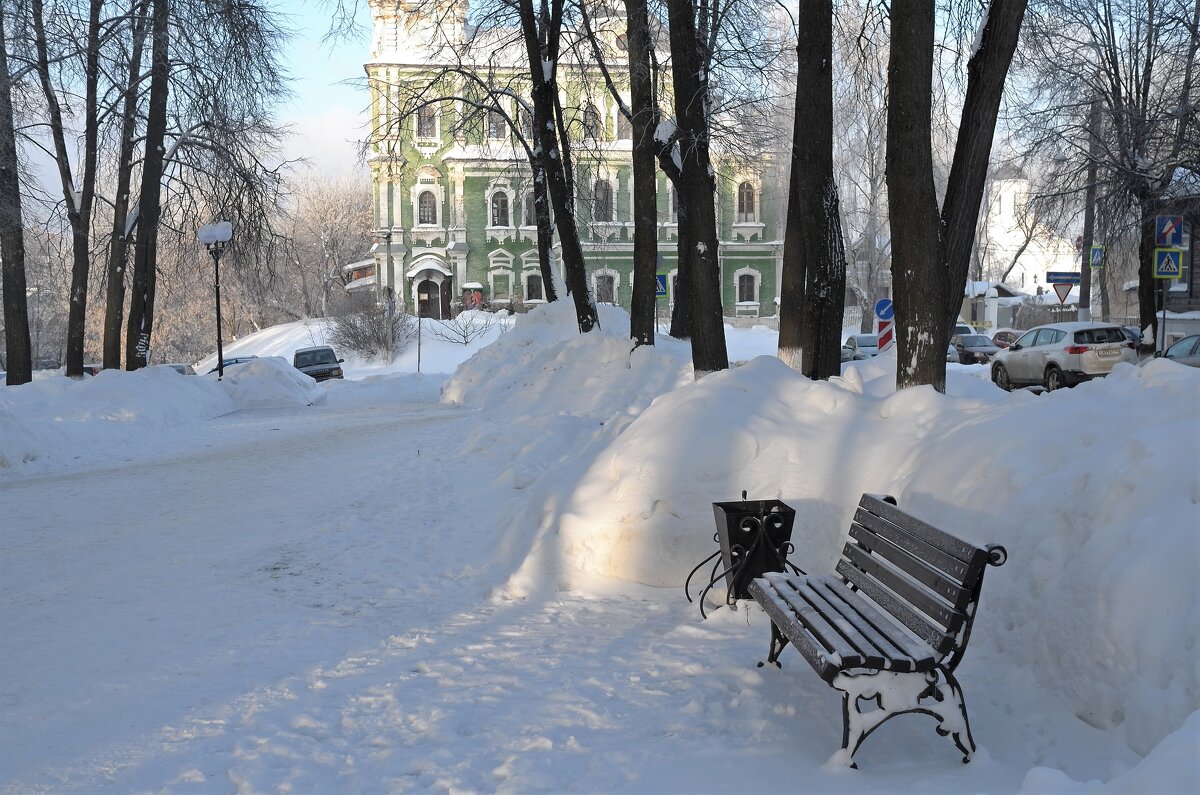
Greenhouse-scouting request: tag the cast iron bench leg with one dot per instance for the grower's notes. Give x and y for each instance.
(935, 693)
(778, 642)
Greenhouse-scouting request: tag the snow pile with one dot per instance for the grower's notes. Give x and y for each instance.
(268, 382)
(1072, 483)
(54, 419)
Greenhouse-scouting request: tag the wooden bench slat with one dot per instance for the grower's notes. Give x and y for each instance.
(920, 654)
(787, 622)
(921, 627)
(885, 655)
(842, 638)
(951, 545)
(941, 585)
(913, 593)
(953, 567)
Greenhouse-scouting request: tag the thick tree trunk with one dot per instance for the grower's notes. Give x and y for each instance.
(699, 250)
(18, 357)
(919, 284)
(1148, 289)
(931, 257)
(642, 315)
(119, 244)
(543, 53)
(986, 73)
(141, 303)
(77, 199)
(814, 269)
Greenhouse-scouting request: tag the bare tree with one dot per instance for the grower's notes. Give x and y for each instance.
(814, 264)
(18, 354)
(930, 249)
(1137, 61)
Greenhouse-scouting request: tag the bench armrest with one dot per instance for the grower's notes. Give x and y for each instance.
(997, 555)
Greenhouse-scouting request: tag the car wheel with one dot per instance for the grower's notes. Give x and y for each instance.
(1054, 379)
(1000, 377)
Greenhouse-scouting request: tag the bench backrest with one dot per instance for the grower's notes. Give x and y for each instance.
(927, 579)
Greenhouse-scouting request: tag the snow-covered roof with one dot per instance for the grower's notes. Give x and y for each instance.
(361, 284)
(362, 263)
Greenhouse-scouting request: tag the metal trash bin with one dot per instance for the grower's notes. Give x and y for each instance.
(755, 538)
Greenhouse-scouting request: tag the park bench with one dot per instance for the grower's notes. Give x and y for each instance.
(890, 626)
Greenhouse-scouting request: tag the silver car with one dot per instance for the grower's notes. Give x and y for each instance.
(1062, 354)
(862, 346)
(1185, 351)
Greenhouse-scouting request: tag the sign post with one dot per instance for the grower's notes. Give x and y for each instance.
(885, 325)
(1168, 264)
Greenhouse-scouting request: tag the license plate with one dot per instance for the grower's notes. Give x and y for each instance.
(1108, 353)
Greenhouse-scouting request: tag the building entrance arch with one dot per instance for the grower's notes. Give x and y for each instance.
(429, 299)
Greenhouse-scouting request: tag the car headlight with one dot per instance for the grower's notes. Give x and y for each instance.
(336, 372)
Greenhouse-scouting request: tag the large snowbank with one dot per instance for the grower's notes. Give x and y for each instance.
(1084, 488)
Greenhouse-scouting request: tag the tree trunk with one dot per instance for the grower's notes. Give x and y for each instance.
(932, 256)
(78, 200)
(986, 73)
(543, 53)
(814, 259)
(699, 249)
(118, 246)
(918, 281)
(644, 121)
(1148, 292)
(17, 352)
(141, 303)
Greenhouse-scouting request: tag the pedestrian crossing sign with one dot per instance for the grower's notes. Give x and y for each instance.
(1168, 263)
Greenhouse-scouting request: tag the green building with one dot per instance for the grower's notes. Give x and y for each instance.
(451, 187)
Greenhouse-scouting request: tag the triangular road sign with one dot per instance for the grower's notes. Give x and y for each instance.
(1062, 291)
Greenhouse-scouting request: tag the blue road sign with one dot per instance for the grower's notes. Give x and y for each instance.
(1168, 231)
(884, 309)
(1097, 256)
(1168, 263)
(1062, 277)
(661, 290)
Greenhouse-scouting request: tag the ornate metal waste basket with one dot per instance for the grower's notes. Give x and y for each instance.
(754, 538)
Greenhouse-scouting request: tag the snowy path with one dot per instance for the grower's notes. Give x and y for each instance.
(270, 549)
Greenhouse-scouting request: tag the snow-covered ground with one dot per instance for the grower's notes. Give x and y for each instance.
(470, 580)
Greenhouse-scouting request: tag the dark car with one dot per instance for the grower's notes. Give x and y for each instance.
(320, 362)
(227, 363)
(1185, 351)
(1004, 337)
(973, 348)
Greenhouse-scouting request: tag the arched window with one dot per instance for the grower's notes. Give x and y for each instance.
(533, 287)
(746, 288)
(606, 289)
(745, 204)
(427, 121)
(624, 128)
(427, 209)
(593, 125)
(530, 209)
(525, 120)
(602, 201)
(499, 208)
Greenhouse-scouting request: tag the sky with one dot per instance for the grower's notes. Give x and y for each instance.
(327, 112)
(471, 580)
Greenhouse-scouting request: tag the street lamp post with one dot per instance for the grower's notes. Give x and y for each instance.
(214, 237)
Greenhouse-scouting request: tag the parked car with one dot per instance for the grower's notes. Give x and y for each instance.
(93, 369)
(1185, 351)
(180, 367)
(1062, 354)
(961, 327)
(1004, 337)
(862, 346)
(973, 348)
(320, 362)
(227, 363)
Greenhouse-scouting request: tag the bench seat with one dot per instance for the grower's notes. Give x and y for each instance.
(838, 630)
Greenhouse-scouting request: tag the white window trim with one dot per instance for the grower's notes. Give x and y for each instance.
(492, 284)
(747, 305)
(437, 127)
(616, 276)
(525, 276)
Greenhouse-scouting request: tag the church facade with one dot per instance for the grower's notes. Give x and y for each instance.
(453, 201)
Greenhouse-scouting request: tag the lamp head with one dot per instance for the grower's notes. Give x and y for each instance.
(219, 232)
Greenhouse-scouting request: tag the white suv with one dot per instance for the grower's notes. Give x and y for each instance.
(1062, 354)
